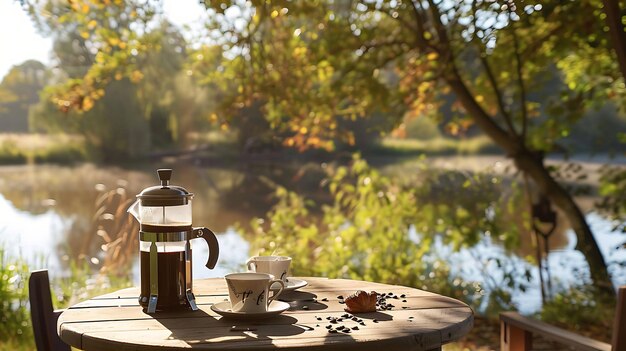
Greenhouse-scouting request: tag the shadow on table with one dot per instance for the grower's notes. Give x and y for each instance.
(302, 300)
(379, 316)
(196, 328)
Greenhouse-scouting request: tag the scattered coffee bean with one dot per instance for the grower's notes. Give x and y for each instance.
(341, 302)
(346, 330)
(362, 323)
(325, 299)
(329, 318)
(345, 315)
(403, 300)
(332, 330)
(329, 326)
(333, 321)
(355, 319)
(395, 297)
(403, 295)
(319, 318)
(339, 319)
(340, 297)
(317, 325)
(340, 327)
(404, 307)
(411, 317)
(355, 328)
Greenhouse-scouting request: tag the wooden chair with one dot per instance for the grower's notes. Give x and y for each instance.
(516, 331)
(44, 317)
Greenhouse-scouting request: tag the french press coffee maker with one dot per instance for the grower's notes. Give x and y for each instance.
(164, 215)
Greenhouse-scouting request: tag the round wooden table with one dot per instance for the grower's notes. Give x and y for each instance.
(415, 320)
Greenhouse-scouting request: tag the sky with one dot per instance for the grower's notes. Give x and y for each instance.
(19, 41)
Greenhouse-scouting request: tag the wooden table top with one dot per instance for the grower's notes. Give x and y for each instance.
(418, 321)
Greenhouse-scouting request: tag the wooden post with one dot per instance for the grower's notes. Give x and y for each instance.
(513, 338)
(619, 324)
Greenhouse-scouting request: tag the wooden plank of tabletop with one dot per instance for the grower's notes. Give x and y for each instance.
(298, 299)
(107, 311)
(214, 286)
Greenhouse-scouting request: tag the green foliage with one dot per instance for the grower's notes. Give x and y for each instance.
(613, 202)
(363, 234)
(377, 229)
(578, 309)
(14, 316)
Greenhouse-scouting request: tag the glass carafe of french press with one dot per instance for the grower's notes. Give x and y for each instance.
(164, 215)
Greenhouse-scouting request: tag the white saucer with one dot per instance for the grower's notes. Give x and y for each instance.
(275, 308)
(293, 284)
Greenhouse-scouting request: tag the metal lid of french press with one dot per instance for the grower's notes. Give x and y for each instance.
(164, 194)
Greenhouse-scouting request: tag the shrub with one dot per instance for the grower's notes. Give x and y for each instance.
(14, 315)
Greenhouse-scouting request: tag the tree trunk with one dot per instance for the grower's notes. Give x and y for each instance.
(616, 32)
(586, 243)
(533, 165)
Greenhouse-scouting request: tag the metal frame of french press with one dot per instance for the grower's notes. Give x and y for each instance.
(153, 238)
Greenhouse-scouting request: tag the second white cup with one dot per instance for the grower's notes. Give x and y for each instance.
(277, 266)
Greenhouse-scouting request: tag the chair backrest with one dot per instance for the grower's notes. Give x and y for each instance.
(619, 324)
(43, 316)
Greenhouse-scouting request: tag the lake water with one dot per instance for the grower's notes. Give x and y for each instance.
(47, 213)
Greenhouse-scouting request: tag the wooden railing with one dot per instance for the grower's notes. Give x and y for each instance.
(516, 331)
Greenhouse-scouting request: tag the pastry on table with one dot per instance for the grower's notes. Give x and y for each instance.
(361, 302)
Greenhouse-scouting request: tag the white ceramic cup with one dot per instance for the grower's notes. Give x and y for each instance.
(249, 292)
(277, 266)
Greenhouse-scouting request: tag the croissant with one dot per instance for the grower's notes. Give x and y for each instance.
(361, 301)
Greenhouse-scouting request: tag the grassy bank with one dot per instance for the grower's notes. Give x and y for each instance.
(435, 146)
(41, 148)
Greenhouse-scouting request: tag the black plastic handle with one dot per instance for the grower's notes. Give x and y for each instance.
(211, 241)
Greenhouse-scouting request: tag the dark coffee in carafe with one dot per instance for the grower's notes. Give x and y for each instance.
(171, 274)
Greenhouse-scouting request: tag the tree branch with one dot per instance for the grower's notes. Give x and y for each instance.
(399, 19)
(616, 32)
(520, 81)
(492, 78)
(422, 42)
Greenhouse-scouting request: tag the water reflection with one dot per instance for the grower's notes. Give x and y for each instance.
(52, 215)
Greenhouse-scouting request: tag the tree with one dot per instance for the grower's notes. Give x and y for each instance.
(123, 111)
(18, 91)
(314, 61)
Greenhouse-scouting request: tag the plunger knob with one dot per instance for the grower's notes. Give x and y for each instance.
(165, 174)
